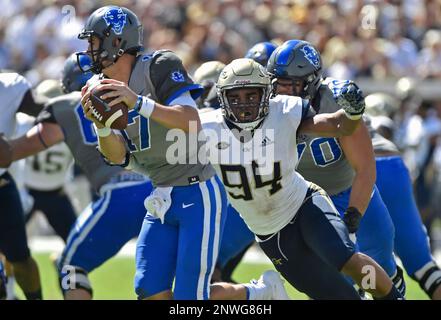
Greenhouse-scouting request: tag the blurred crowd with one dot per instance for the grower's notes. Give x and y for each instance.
(370, 38)
(379, 40)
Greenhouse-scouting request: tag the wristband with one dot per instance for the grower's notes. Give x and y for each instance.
(353, 116)
(138, 103)
(102, 132)
(147, 107)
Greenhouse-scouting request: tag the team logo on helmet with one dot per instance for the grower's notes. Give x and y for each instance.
(116, 18)
(311, 55)
(177, 76)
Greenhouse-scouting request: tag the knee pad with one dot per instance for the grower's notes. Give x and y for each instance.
(428, 277)
(72, 277)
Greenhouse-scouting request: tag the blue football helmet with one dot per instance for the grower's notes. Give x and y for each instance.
(72, 76)
(300, 62)
(109, 24)
(261, 52)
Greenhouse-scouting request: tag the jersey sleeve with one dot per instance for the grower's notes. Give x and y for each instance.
(295, 110)
(307, 111)
(170, 79)
(46, 115)
(15, 87)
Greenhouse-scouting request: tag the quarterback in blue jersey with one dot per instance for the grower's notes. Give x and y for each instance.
(180, 235)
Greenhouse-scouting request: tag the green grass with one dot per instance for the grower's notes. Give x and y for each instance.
(114, 280)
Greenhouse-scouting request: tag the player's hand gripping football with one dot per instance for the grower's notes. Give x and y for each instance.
(107, 102)
(120, 93)
(86, 103)
(351, 100)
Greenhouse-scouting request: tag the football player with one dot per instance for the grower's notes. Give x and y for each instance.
(16, 95)
(344, 166)
(234, 247)
(251, 142)
(207, 75)
(261, 52)
(116, 216)
(181, 232)
(231, 246)
(394, 184)
(45, 174)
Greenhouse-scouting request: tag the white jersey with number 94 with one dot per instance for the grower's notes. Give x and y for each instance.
(259, 174)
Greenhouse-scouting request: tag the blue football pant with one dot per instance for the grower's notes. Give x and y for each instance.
(237, 236)
(106, 225)
(185, 247)
(375, 236)
(411, 240)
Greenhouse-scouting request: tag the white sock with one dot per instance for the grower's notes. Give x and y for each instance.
(10, 289)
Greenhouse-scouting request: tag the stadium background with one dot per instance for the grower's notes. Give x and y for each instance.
(374, 42)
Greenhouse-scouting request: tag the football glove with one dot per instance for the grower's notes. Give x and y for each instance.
(351, 99)
(352, 218)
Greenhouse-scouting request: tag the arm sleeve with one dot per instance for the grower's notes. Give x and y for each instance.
(184, 99)
(306, 110)
(31, 104)
(170, 78)
(46, 115)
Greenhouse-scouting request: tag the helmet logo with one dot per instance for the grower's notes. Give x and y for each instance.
(177, 76)
(311, 55)
(245, 81)
(116, 18)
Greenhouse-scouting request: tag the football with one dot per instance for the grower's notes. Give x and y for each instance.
(114, 117)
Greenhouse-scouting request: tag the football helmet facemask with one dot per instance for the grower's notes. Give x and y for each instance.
(246, 109)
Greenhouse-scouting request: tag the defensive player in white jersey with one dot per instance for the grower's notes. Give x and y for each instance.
(40, 181)
(252, 144)
(45, 174)
(16, 95)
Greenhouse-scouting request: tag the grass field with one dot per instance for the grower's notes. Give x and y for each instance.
(114, 280)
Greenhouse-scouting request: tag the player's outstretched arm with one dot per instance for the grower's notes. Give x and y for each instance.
(335, 124)
(38, 138)
(177, 116)
(342, 122)
(172, 117)
(360, 154)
